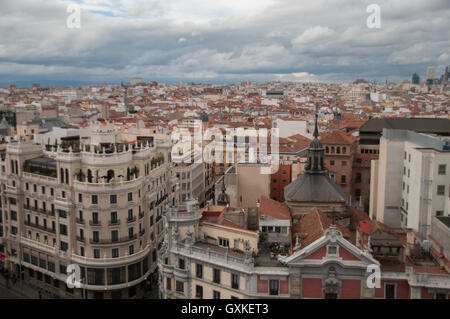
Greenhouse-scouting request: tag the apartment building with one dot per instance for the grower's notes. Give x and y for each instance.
(339, 153)
(97, 206)
(410, 181)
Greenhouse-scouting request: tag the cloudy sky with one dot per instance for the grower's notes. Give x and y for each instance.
(221, 41)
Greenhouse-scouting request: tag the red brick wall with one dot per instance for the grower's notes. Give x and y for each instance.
(263, 285)
(346, 255)
(351, 289)
(426, 295)
(284, 286)
(403, 290)
(318, 254)
(312, 288)
(279, 181)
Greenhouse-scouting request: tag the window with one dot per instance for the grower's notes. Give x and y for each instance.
(331, 250)
(343, 179)
(130, 232)
(344, 163)
(131, 250)
(168, 284)
(181, 263)
(224, 242)
(216, 276)
(81, 251)
(180, 287)
(199, 291)
(95, 218)
(441, 296)
(80, 198)
(199, 270)
(63, 246)
(389, 291)
(331, 162)
(130, 197)
(130, 214)
(62, 214)
(439, 213)
(235, 281)
(63, 229)
(114, 235)
(216, 294)
(442, 169)
(113, 217)
(441, 189)
(96, 253)
(274, 287)
(94, 199)
(115, 252)
(113, 199)
(132, 292)
(95, 236)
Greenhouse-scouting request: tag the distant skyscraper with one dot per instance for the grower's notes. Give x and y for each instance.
(415, 79)
(430, 72)
(447, 74)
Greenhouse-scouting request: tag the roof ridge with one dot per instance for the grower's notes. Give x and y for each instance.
(320, 219)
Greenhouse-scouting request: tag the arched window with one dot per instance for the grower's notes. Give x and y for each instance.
(332, 149)
(344, 150)
(110, 175)
(89, 176)
(61, 174)
(338, 150)
(327, 150)
(67, 176)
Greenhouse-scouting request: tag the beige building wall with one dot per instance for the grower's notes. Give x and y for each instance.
(251, 184)
(373, 189)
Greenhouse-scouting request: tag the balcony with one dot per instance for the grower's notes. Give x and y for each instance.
(79, 221)
(114, 222)
(80, 239)
(111, 241)
(132, 219)
(142, 232)
(40, 227)
(94, 223)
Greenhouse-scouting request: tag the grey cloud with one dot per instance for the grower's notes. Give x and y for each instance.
(326, 38)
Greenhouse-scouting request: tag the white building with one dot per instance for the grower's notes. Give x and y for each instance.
(291, 127)
(410, 181)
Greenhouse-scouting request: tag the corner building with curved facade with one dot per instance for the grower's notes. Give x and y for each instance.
(95, 207)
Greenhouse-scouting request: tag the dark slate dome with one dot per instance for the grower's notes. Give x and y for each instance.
(314, 185)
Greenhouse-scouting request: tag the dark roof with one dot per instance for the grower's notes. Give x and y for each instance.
(314, 188)
(420, 125)
(445, 220)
